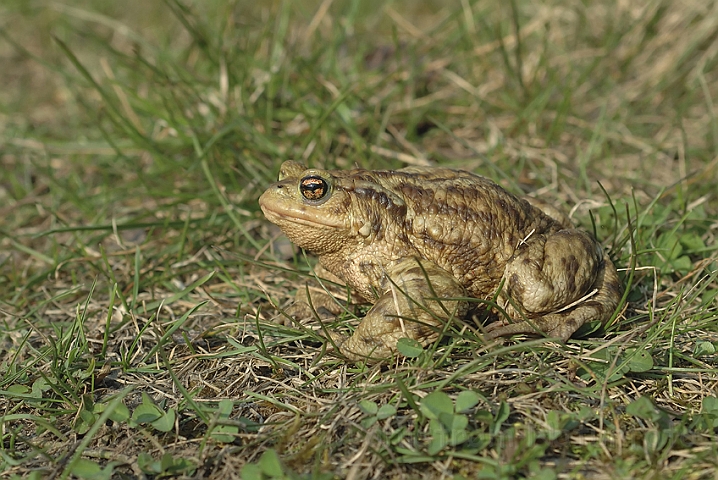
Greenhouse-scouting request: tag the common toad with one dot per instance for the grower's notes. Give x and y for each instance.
(415, 241)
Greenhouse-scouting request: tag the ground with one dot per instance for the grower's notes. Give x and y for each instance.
(142, 293)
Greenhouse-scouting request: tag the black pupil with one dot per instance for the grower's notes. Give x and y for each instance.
(313, 188)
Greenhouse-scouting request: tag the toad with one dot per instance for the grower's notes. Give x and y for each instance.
(417, 242)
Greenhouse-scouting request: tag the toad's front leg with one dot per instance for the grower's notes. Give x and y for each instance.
(407, 308)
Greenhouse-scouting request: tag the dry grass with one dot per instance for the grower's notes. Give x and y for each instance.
(134, 261)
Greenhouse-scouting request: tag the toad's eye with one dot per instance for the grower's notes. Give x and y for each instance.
(314, 188)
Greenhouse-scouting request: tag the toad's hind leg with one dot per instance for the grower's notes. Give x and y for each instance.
(408, 308)
(546, 282)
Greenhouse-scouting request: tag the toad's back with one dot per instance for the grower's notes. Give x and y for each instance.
(463, 222)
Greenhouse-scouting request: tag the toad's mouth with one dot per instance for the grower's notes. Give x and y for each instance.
(277, 214)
